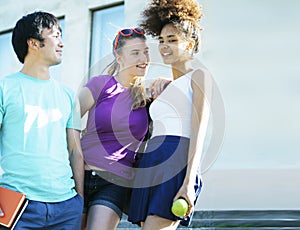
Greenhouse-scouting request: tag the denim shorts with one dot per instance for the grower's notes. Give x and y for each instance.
(98, 191)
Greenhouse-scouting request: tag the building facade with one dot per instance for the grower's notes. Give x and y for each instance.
(251, 47)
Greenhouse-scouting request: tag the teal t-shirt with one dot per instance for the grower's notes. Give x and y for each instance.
(34, 115)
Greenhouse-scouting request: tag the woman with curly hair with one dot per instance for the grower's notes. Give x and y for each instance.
(170, 166)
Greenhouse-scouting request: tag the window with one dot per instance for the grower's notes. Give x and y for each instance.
(105, 24)
(9, 61)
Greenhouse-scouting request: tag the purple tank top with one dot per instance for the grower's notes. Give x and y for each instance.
(114, 131)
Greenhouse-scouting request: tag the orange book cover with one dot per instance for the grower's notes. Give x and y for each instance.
(13, 205)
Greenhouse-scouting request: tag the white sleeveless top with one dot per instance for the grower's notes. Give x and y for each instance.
(171, 111)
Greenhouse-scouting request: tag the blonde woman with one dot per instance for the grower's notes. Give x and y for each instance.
(116, 126)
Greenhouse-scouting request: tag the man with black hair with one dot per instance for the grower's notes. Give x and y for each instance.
(40, 127)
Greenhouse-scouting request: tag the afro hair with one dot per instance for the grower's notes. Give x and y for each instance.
(162, 12)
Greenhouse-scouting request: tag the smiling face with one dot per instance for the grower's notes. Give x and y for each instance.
(172, 45)
(52, 46)
(134, 57)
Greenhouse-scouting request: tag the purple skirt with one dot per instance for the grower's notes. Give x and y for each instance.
(159, 176)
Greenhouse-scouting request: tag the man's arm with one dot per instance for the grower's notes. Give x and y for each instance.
(1, 212)
(76, 159)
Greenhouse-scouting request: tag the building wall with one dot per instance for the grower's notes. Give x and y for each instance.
(251, 47)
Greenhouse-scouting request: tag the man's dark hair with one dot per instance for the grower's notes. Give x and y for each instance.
(31, 26)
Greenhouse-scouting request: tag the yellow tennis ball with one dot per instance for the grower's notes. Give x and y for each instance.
(180, 207)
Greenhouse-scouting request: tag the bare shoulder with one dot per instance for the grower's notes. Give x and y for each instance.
(201, 78)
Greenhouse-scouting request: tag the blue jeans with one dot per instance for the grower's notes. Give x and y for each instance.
(65, 215)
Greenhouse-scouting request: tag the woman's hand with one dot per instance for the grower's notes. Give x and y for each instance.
(188, 193)
(157, 86)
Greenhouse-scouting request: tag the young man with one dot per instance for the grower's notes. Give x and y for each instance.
(39, 137)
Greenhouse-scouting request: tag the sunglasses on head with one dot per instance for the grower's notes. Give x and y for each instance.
(126, 33)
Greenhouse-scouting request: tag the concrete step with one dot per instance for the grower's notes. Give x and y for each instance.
(237, 219)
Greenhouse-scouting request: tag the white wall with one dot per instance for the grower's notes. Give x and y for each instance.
(252, 49)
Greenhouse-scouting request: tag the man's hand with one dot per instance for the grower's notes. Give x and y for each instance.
(1, 212)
